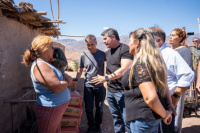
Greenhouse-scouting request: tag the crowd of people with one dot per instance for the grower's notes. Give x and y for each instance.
(144, 83)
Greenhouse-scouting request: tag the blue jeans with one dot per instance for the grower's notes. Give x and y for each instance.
(117, 108)
(91, 93)
(145, 126)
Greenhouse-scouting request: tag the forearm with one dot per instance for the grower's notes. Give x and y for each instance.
(125, 65)
(198, 74)
(157, 107)
(179, 91)
(59, 86)
(63, 85)
(168, 96)
(67, 78)
(117, 74)
(79, 73)
(151, 98)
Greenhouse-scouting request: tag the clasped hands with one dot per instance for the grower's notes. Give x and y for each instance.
(168, 118)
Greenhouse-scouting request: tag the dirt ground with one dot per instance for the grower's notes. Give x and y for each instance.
(190, 124)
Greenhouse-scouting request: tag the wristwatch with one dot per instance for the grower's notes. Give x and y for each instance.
(176, 95)
(107, 79)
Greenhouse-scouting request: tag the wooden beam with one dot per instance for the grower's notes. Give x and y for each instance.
(71, 36)
(42, 21)
(50, 29)
(199, 24)
(54, 35)
(26, 13)
(38, 27)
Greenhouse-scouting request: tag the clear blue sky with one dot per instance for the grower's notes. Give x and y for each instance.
(85, 17)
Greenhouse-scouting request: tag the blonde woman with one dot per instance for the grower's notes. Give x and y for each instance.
(145, 85)
(49, 84)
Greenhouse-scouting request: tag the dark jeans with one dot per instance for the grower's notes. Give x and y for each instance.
(168, 128)
(91, 93)
(117, 108)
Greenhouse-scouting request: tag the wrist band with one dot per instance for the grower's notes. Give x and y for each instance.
(170, 105)
(167, 115)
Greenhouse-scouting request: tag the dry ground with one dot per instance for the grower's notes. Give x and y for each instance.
(190, 124)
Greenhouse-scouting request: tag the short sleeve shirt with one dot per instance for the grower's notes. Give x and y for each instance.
(93, 64)
(186, 54)
(113, 58)
(136, 108)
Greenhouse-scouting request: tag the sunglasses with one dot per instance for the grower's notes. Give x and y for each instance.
(194, 41)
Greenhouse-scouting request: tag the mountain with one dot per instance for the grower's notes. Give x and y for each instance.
(72, 45)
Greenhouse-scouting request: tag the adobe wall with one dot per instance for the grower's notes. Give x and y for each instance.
(15, 38)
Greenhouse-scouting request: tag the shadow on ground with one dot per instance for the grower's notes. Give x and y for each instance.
(192, 129)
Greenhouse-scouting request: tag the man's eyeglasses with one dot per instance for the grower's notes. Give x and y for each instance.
(194, 41)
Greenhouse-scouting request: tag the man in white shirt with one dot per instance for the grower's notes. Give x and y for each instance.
(180, 77)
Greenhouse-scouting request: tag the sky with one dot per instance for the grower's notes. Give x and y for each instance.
(85, 17)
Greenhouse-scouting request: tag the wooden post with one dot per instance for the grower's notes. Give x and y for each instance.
(199, 24)
(71, 35)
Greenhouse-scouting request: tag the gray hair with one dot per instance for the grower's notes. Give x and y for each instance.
(158, 32)
(90, 37)
(109, 32)
(195, 38)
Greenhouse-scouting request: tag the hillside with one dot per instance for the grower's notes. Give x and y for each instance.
(71, 45)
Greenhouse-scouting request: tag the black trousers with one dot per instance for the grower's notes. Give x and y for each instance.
(92, 94)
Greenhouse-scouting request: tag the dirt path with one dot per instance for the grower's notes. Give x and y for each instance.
(190, 124)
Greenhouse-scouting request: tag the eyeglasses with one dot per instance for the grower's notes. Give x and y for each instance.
(194, 41)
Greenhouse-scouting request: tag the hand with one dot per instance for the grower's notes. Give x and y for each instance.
(98, 79)
(105, 85)
(52, 59)
(68, 79)
(74, 85)
(168, 118)
(172, 109)
(174, 100)
(198, 88)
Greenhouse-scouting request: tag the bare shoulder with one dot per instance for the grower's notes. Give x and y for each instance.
(42, 67)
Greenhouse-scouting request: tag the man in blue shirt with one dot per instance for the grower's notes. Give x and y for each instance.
(179, 78)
